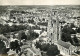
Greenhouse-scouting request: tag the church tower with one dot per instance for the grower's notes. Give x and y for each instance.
(54, 28)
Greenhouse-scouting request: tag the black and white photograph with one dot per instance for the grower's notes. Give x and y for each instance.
(40, 30)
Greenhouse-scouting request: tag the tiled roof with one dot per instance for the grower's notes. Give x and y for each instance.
(64, 44)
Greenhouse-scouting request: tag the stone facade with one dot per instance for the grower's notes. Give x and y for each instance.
(66, 47)
(54, 28)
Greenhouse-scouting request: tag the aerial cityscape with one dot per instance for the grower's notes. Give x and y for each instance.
(40, 30)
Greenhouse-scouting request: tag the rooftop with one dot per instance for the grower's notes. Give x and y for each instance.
(35, 51)
(64, 44)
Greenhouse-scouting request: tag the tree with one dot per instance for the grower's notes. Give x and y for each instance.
(53, 50)
(23, 36)
(31, 21)
(66, 33)
(68, 29)
(66, 37)
(32, 35)
(76, 42)
(73, 31)
(7, 28)
(78, 30)
(75, 39)
(43, 19)
(44, 47)
(43, 23)
(65, 29)
(35, 27)
(38, 45)
(15, 46)
(72, 25)
(3, 49)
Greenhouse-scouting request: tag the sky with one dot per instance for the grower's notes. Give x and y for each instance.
(39, 2)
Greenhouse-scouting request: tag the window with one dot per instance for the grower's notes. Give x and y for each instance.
(51, 34)
(52, 25)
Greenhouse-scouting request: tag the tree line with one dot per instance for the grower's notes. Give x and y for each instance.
(66, 34)
(51, 50)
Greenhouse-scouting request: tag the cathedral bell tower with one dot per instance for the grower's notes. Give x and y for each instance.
(54, 28)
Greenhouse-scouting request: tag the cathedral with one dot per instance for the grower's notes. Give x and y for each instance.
(54, 32)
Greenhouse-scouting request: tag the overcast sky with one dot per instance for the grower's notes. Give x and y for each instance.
(39, 2)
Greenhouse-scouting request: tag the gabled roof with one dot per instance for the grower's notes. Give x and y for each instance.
(64, 44)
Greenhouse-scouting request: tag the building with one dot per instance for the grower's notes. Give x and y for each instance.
(12, 53)
(33, 52)
(66, 47)
(44, 39)
(54, 32)
(54, 28)
(30, 50)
